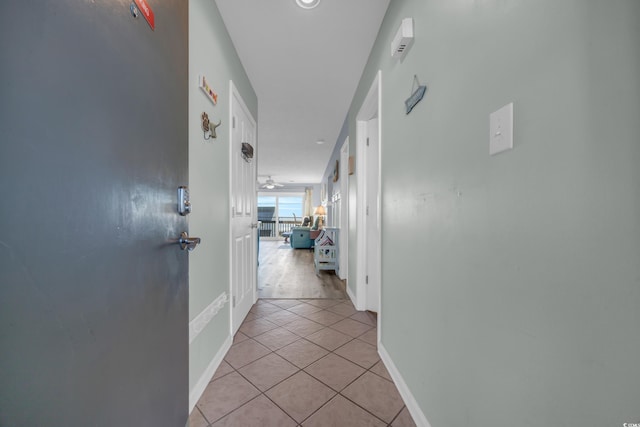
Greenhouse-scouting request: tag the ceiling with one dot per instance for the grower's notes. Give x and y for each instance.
(304, 66)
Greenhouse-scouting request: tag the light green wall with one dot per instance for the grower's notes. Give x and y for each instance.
(211, 53)
(511, 284)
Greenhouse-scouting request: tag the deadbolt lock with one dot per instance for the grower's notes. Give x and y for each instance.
(184, 203)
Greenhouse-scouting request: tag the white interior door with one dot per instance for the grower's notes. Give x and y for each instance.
(367, 206)
(372, 217)
(243, 212)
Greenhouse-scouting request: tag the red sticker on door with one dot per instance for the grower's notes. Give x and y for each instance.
(147, 12)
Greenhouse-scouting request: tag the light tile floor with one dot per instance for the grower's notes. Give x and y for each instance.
(302, 362)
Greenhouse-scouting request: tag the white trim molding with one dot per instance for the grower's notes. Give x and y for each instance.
(351, 296)
(206, 376)
(198, 324)
(371, 108)
(412, 405)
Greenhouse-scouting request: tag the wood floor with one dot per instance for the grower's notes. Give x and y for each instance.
(285, 272)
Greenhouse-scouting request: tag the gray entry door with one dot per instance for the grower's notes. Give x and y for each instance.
(93, 287)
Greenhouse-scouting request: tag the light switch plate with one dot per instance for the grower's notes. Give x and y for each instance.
(501, 130)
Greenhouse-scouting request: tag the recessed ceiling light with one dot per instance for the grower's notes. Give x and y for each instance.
(307, 4)
(320, 141)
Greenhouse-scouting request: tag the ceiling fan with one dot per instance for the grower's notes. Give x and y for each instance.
(270, 184)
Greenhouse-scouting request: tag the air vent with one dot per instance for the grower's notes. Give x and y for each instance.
(403, 38)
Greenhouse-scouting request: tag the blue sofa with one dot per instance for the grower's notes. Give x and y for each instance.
(300, 238)
(304, 237)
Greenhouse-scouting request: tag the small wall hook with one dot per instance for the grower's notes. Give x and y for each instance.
(208, 127)
(213, 129)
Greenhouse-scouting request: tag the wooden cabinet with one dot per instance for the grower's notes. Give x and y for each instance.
(326, 254)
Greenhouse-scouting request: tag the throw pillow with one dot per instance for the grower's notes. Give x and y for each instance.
(324, 239)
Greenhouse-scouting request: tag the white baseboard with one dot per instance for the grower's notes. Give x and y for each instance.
(198, 324)
(412, 405)
(201, 385)
(351, 296)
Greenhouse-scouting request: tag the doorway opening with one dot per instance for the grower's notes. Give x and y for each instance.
(277, 213)
(368, 275)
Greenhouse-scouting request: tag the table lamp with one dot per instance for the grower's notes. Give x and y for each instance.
(321, 212)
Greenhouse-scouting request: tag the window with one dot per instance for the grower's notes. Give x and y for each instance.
(266, 208)
(277, 214)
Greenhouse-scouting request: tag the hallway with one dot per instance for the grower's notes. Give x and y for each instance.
(302, 362)
(503, 196)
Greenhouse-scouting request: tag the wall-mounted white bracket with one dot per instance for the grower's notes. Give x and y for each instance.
(403, 39)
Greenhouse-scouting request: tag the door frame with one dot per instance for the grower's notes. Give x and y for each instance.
(343, 265)
(235, 93)
(371, 108)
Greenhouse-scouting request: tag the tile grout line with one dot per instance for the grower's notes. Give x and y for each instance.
(281, 381)
(261, 393)
(277, 326)
(337, 393)
(264, 393)
(202, 415)
(397, 415)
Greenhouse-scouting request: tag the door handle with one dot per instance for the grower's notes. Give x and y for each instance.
(188, 243)
(254, 225)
